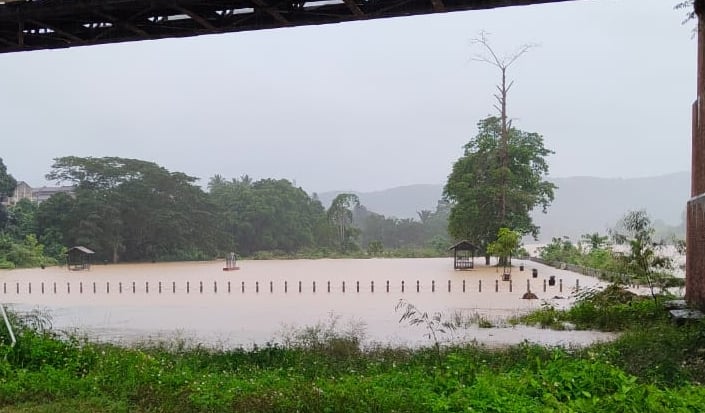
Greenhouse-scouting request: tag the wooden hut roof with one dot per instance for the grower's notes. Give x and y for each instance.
(463, 245)
(82, 249)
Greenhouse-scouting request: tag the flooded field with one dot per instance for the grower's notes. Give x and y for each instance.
(267, 301)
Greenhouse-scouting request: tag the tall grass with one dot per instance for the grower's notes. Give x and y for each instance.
(653, 367)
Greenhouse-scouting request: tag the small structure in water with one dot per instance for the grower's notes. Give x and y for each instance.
(463, 255)
(79, 258)
(231, 262)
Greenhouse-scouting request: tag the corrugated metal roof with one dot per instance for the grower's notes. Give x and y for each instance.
(464, 245)
(82, 249)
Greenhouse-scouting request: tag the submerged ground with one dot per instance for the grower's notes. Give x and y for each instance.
(262, 302)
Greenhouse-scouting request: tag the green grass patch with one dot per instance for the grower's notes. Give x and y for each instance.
(654, 366)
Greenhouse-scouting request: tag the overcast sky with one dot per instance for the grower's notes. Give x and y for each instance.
(367, 105)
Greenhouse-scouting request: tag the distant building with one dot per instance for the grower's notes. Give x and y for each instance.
(43, 193)
(22, 191)
(38, 195)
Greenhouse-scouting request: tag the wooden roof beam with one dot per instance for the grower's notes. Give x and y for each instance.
(118, 22)
(271, 11)
(8, 43)
(438, 5)
(197, 18)
(56, 30)
(355, 9)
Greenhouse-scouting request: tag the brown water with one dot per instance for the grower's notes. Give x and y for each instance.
(199, 301)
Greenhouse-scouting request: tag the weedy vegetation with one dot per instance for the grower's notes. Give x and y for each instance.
(654, 366)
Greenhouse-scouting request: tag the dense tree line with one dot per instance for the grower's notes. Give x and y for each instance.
(429, 231)
(134, 210)
(486, 195)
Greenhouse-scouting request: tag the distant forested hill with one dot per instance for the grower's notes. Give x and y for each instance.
(400, 202)
(582, 204)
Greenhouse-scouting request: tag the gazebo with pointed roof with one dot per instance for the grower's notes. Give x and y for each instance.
(464, 255)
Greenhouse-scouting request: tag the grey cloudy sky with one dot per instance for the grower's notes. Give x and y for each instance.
(365, 105)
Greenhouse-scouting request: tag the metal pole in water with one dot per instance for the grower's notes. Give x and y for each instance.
(29, 288)
(418, 286)
(243, 287)
(299, 286)
(188, 287)
(560, 285)
(343, 286)
(286, 286)
(200, 287)
(496, 286)
(80, 287)
(387, 285)
(358, 285)
(107, 287)
(433, 286)
(42, 287)
(314, 286)
(119, 287)
(402, 285)
(146, 287)
(328, 286)
(372, 286)
(510, 286)
(68, 288)
(271, 286)
(215, 286)
(463, 285)
(173, 287)
(134, 290)
(479, 286)
(94, 289)
(257, 287)
(448, 285)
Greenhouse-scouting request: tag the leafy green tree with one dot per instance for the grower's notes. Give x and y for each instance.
(595, 240)
(268, 215)
(643, 259)
(340, 214)
(129, 209)
(375, 248)
(507, 243)
(7, 186)
(54, 220)
(430, 231)
(424, 215)
(26, 253)
(21, 219)
(560, 250)
(485, 196)
(7, 182)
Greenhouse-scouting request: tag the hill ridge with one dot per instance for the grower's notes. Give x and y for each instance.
(582, 203)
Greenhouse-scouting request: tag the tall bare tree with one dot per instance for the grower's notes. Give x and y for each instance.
(488, 55)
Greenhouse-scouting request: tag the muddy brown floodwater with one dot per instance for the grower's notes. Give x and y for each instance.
(267, 301)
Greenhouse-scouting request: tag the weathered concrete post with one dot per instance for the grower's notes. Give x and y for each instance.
(695, 233)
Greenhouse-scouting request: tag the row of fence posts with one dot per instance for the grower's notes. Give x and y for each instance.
(133, 287)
